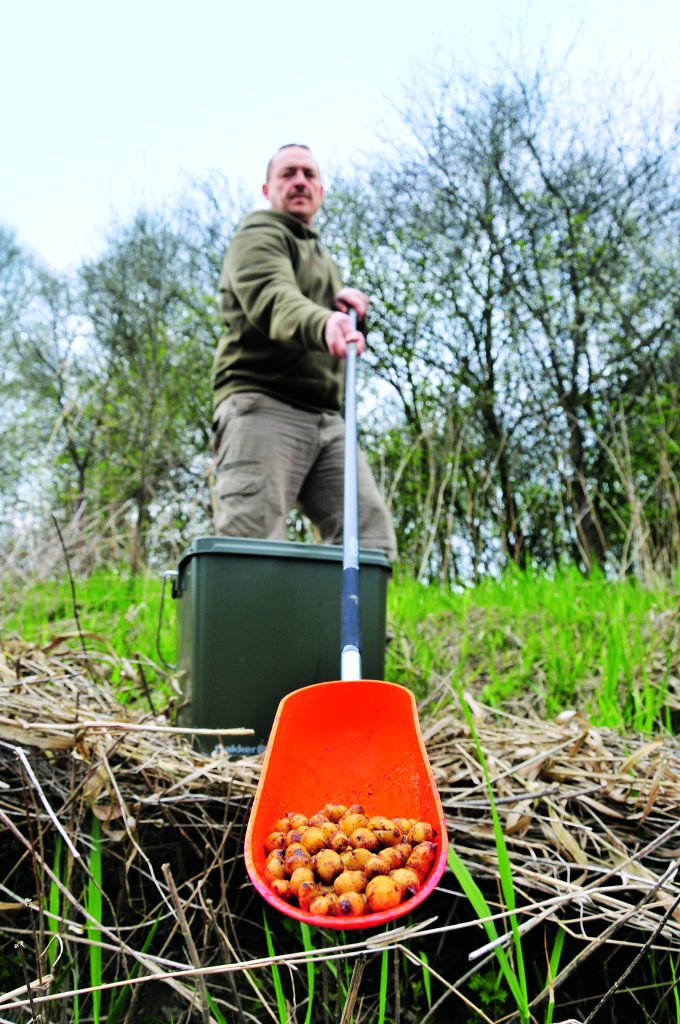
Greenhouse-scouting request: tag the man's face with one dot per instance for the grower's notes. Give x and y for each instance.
(294, 183)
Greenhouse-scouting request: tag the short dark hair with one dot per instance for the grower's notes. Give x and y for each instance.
(287, 145)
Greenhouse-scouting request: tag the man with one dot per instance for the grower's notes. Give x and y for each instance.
(278, 372)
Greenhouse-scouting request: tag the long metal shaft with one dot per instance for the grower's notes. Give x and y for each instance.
(350, 632)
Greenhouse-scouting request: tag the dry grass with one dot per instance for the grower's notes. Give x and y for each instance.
(591, 822)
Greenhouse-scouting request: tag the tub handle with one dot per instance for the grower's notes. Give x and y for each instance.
(169, 574)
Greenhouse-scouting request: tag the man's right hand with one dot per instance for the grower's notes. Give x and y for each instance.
(338, 333)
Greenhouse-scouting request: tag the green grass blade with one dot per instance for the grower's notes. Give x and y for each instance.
(427, 983)
(676, 994)
(382, 994)
(119, 1001)
(520, 992)
(76, 1002)
(214, 1009)
(553, 968)
(54, 903)
(276, 975)
(93, 905)
(308, 946)
(508, 890)
(483, 912)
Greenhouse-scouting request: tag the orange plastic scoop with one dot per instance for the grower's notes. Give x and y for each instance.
(353, 741)
(345, 742)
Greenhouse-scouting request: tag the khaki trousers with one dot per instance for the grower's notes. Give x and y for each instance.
(271, 457)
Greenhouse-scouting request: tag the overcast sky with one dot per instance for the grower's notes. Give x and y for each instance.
(109, 106)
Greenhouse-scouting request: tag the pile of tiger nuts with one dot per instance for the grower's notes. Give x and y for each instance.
(341, 863)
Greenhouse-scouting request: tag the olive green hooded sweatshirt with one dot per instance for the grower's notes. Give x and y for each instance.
(276, 290)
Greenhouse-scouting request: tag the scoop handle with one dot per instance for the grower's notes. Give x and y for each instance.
(350, 632)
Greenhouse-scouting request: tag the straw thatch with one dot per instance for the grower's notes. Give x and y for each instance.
(590, 820)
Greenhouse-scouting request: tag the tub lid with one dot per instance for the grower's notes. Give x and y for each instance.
(279, 549)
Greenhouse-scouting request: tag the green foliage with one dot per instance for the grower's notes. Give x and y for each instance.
(587, 643)
(521, 376)
(601, 646)
(513, 276)
(573, 642)
(127, 624)
(491, 993)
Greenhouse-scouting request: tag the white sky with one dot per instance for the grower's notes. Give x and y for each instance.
(108, 106)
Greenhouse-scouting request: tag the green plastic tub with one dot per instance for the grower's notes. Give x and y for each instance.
(257, 619)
